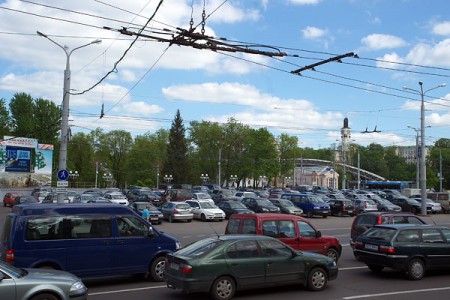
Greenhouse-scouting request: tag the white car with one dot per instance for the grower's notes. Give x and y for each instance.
(202, 196)
(116, 197)
(205, 210)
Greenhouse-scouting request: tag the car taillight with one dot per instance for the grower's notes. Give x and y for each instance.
(175, 211)
(386, 249)
(365, 204)
(185, 268)
(379, 220)
(358, 245)
(9, 256)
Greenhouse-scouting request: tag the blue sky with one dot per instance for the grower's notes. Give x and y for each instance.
(398, 43)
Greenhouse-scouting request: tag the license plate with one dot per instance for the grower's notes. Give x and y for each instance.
(371, 247)
(174, 266)
(154, 219)
(350, 211)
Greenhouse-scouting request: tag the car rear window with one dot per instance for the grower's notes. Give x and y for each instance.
(199, 248)
(380, 233)
(364, 220)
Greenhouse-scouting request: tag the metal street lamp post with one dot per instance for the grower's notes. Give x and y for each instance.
(417, 155)
(233, 179)
(65, 105)
(423, 175)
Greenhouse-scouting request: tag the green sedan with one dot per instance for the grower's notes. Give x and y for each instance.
(225, 264)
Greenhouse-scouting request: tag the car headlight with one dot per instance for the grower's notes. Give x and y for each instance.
(264, 209)
(78, 288)
(315, 207)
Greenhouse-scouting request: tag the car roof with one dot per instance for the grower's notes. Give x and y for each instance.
(69, 208)
(267, 216)
(403, 226)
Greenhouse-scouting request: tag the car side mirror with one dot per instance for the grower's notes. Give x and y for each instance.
(318, 233)
(151, 232)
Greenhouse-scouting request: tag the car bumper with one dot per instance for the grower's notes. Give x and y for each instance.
(183, 217)
(186, 285)
(333, 273)
(210, 217)
(397, 262)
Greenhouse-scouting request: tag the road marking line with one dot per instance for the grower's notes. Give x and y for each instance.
(128, 290)
(396, 293)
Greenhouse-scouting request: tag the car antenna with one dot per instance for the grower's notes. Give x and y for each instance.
(218, 235)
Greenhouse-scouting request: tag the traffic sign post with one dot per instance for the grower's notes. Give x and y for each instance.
(61, 183)
(63, 174)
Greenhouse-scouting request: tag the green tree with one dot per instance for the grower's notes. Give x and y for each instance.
(114, 147)
(5, 120)
(81, 157)
(289, 152)
(177, 163)
(34, 118)
(146, 158)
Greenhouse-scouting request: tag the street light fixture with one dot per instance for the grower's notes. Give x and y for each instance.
(233, 179)
(204, 178)
(65, 105)
(168, 178)
(423, 175)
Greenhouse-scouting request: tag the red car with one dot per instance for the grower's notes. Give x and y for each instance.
(8, 200)
(294, 231)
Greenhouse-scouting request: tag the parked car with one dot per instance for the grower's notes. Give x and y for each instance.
(435, 206)
(84, 239)
(84, 198)
(202, 196)
(408, 204)
(25, 200)
(442, 198)
(200, 189)
(71, 195)
(8, 199)
(53, 198)
(309, 203)
(223, 265)
(260, 205)
(233, 207)
(385, 205)
(177, 211)
(365, 221)
(155, 217)
(295, 231)
(241, 195)
(287, 207)
(362, 205)
(223, 195)
(412, 249)
(136, 194)
(206, 210)
(176, 195)
(341, 207)
(18, 284)
(116, 197)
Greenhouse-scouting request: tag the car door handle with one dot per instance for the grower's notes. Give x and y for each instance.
(121, 241)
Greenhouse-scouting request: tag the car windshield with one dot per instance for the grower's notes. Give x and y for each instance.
(207, 205)
(380, 233)
(183, 206)
(117, 196)
(199, 248)
(202, 196)
(264, 202)
(285, 203)
(315, 199)
(237, 205)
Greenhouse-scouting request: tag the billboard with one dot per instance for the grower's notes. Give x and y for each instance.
(25, 162)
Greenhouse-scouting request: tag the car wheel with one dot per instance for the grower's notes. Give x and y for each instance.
(203, 218)
(332, 253)
(375, 268)
(157, 269)
(317, 279)
(309, 214)
(416, 269)
(223, 288)
(44, 297)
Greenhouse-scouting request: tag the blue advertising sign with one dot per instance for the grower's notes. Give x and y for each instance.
(18, 159)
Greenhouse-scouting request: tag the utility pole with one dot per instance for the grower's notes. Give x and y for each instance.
(65, 106)
(423, 171)
(417, 155)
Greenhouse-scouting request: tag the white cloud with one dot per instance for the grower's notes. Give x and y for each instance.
(378, 41)
(140, 108)
(389, 61)
(259, 108)
(442, 28)
(430, 55)
(312, 33)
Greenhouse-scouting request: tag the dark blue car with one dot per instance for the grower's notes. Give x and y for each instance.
(311, 204)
